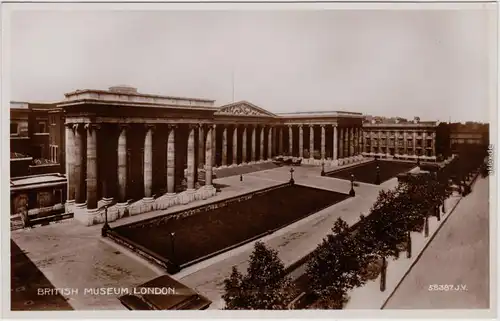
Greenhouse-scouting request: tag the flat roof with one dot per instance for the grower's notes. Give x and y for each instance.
(136, 94)
(38, 179)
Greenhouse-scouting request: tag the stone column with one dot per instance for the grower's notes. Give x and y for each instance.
(224, 146)
(290, 140)
(361, 140)
(214, 145)
(341, 143)
(79, 175)
(270, 143)
(380, 141)
(201, 146)
(208, 158)
(235, 145)
(433, 143)
(346, 142)
(254, 129)
(301, 141)
(122, 164)
(351, 142)
(261, 143)
(365, 142)
(311, 141)
(244, 145)
(396, 141)
(171, 160)
(424, 143)
(280, 141)
(148, 163)
(405, 143)
(335, 142)
(190, 159)
(70, 168)
(91, 165)
(323, 142)
(414, 142)
(356, 141)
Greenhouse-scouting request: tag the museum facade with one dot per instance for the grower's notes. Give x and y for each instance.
(138, 152)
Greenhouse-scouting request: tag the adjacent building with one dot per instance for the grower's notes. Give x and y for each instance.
(399, 138)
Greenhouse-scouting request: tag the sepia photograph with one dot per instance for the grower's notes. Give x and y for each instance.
(224, 157)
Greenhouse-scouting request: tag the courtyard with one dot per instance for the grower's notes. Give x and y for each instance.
(235, 222)
(367, 172)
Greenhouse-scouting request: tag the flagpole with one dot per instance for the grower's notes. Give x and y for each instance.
(232, 78)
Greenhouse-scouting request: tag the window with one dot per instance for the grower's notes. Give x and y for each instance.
(54, 153)
(14, 128)
(41, 127)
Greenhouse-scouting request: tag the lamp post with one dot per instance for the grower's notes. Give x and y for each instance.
(105, 227)
(352, 192)
(292, 181)
(172, 244)
(322, 168)
(377, 178)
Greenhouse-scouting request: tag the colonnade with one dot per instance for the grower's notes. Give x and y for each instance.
(83, 161)
(321, 141)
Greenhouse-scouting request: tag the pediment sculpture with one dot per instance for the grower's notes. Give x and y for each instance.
(242, 110)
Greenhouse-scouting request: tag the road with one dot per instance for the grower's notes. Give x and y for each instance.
(458, 256)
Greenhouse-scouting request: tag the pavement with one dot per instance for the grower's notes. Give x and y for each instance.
(26, 281)
(74, 256)
(458, 257)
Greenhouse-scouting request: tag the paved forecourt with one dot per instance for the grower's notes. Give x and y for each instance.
(74, 256)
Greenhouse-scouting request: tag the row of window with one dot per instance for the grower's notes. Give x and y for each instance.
(41, 127)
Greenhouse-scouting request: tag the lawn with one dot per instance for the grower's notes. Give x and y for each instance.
(367, 172)
(209, 231)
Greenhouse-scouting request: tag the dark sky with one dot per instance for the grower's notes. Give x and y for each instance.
(428, 63)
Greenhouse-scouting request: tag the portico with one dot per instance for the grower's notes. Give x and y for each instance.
(137, 152)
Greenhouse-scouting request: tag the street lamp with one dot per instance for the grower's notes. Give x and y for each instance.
(172, 244)
(352, 192)
(292, 181)
(105, 227)
(377, 178)
(323, 169)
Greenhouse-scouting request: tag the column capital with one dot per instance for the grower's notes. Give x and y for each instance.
(334, 125)
(77, 126)
(69, 125)
(192, 126)
(92, 126)
(150, 126)
(124, 126)
(322, 125)
(310, 125)
(171, 126)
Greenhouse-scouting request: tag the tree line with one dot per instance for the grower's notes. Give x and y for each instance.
(345, 257)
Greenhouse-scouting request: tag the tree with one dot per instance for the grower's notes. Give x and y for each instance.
(335, 267)
(265, 286)
(381, 232)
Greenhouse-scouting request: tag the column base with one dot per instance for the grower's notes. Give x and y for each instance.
(207, 191)
(88, 216)
(187, 196)
(104, 201)
(69, 206)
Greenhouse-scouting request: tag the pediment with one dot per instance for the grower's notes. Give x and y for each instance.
(244, 108)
